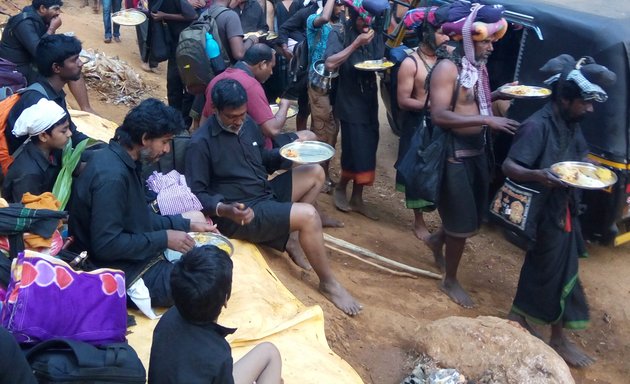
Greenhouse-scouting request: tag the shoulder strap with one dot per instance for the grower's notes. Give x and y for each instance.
(86, 354)
(33, 87)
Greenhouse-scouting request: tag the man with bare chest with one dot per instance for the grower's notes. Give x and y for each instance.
(460, 101)
(411, 96)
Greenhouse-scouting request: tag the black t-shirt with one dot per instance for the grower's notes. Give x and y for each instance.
(183, 352)
(177, 7)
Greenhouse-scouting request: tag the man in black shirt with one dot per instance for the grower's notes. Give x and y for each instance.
(251, 14)
(22, 35)
(58, 63)
(549, 290)
(109, 215)
(227, 168)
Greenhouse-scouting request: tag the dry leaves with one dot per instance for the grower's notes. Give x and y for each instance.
(114, 79)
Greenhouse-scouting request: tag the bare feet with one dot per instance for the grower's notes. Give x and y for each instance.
(340, 297)
(362, 208)
(328, 186)
(340, 199)
(421, 232)
(435, 242)
(145, 67)
(456, 293)
(570, 352)
(296, 253)
(523, 323)
(329, 221)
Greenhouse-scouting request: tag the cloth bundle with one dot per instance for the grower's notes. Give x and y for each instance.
(367, 9)
(414, 18)
(587, 74)
(173, 194)
(487, 23)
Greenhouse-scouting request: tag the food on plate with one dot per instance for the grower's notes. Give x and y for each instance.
(587, 176)
(374, 64)
(291, 153)
(525, 91)
(128, 17)
(205, 238)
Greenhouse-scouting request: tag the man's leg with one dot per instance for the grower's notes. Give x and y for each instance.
(79, 91)
(307, 183)
(262, 365)
(306, 221)
(107, 20)
(567, 349)
(116, 6)
(358, 205)
(158, 280)
(450, 285)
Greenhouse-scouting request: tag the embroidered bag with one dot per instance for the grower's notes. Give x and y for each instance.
(47, 299)
(517, 207)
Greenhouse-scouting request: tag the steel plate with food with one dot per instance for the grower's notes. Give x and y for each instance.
(525, 91)
(584, 175)
(211, 238)
(374, 65)
(293, 110)
(307, 152)
(129, 17)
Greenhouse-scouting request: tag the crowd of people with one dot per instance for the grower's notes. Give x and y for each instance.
(234, 148)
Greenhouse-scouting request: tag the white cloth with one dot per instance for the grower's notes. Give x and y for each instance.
(139, 294)
(37, 118)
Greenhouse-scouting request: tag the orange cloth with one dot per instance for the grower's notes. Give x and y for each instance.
(44, 201)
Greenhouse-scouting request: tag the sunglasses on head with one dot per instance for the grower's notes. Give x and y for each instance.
(54, 7)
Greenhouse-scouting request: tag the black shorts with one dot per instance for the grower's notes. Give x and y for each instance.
(464, 195)
(272, 217)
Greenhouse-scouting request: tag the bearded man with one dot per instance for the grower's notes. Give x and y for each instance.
(411, 96)
(460, 100)
(549, 290)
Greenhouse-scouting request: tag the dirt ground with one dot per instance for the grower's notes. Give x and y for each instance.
(379, 343)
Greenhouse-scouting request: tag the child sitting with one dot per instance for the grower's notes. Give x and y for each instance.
(188, 344)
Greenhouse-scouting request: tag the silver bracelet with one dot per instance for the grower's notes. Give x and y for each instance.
(216, 211)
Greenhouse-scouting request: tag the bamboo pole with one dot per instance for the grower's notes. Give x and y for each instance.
(347, 253)
(368, 253)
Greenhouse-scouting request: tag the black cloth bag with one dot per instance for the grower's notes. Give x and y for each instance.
(158, 41)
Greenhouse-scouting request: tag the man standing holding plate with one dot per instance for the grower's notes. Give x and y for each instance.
(356, 104)
(549, 290)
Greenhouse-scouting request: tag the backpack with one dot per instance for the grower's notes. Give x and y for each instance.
(396, 55)
(298, 71)
(193, 63)
(6, 105)
(10, 79)
(70, 361)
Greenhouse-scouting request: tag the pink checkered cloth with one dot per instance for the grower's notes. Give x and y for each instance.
(173, 195)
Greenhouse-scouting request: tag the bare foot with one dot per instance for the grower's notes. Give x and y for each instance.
(570, 352)
(457, 293)
(297, 254)
(362, 208)
(523, 323)
(330, 222)
(340, 199)
(328, 186)
(421, 232)
(340, 297)
(435, 242)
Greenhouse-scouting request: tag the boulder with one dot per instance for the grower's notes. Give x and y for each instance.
(492, 350)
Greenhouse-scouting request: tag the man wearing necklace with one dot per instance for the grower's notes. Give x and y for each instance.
(411, 96)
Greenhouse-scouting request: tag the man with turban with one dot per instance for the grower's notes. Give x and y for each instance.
(549, 290)
(460, 100)
(412, 97)
(356, 104)
(38, 161)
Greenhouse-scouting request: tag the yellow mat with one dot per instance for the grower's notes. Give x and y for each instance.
(263, 309)
(94, 126)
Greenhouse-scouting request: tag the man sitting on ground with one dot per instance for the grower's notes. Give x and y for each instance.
(36, 167)
(58, 64)
(23, 33)
(188, 344)
(109, 215)
(227, 168)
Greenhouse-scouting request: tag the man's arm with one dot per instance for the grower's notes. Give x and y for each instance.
(517, 172)
(406, 82)
(295, 23)
(109, 241)
(176, 222)
(443, 82)
(234, 34)
(334, 61)
(324, 17)
(27, 33)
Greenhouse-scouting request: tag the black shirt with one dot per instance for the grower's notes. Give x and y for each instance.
(356, 99)
(176, 7)
(252, 17)
(30, 98)
(295, 26)
(109, 215)
(226, 167)
(31, 172)
(183, 352)
(19, 41)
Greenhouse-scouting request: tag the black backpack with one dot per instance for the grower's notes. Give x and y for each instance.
(70, 361)
(298, 71)
(193, 63)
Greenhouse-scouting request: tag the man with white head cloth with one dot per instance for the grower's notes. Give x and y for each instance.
(549, 290)
(38, 161)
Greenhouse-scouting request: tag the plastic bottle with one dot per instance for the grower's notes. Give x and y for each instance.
(214, 54)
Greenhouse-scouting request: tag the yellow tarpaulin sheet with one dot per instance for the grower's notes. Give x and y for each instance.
(263, 309)
(94, 126)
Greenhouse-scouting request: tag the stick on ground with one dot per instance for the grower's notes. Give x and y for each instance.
(397, 273)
